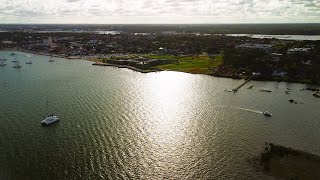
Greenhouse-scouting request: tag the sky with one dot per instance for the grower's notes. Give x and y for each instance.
(159, 11)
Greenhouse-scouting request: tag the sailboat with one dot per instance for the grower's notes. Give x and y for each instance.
(2, 63)
(49, 119)
(17, 65)
(51, 59)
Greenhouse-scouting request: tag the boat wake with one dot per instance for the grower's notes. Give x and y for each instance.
(249, 110)
(243, 109)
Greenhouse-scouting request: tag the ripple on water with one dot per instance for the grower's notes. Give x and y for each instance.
(117, 123)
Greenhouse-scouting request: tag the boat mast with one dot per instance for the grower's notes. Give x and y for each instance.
(47, 107)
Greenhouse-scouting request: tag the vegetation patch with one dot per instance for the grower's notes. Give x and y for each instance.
(289, 163)
(203, 64)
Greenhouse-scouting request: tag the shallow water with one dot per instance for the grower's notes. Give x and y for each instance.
(117, 123)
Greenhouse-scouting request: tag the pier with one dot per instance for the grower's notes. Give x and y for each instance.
(237, 88)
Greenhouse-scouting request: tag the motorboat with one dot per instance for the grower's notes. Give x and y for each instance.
(317, 94)
(267, 114)
(17, 65)
(2, 63)
(50, 119)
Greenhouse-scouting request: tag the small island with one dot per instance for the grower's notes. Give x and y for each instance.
(288, 163)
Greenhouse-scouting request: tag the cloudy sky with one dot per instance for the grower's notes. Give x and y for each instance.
(159, 11)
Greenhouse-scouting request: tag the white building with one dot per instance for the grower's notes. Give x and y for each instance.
(255, 46)
(256, 74)
(295, 50)
(279, 74)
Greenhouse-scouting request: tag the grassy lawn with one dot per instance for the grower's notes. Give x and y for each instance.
(190, 64)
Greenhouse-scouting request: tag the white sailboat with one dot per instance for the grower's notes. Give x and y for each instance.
(2, 63)
(51, 59)
(17, 65)
(2, 59)
(49, 119)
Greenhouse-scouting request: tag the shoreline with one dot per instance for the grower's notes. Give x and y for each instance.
(98, 63)
(126, 66)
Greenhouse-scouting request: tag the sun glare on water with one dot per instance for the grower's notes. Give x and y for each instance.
(169, 118)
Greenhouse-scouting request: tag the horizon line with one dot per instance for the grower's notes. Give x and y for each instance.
(154, 23)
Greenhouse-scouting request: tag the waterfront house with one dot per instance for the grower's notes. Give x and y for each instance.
(279, 73)
(298, 50)
(264, 47)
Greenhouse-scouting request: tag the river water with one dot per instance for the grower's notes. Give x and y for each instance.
(120, 124)
(282, 37)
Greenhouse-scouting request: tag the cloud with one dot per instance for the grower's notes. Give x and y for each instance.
(71, 1)
(160, 11)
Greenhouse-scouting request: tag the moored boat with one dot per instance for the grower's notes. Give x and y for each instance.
(17, 65)
(51, 59)
(49, 119)
(317, 94)
(2, 63)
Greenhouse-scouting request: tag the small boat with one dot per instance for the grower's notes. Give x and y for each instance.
(267, 114)
(15, 60)
(12, 54)
(51, 59)
(29, 62)
(265, 90)
(2, 63)
(2, 59)
(50, 119)
(17, 65)
(317, 94)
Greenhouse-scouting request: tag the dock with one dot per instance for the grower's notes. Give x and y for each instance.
(237, 88)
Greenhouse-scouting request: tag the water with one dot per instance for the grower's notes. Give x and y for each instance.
(80, 31)
(120, 124)
(108, 32)
(283, 37)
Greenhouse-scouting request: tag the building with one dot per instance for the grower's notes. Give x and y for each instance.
(255, 46)
(47, 42)
(278, 73)
(298, 50)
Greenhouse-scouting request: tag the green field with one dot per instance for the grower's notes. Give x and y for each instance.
(190, 64)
